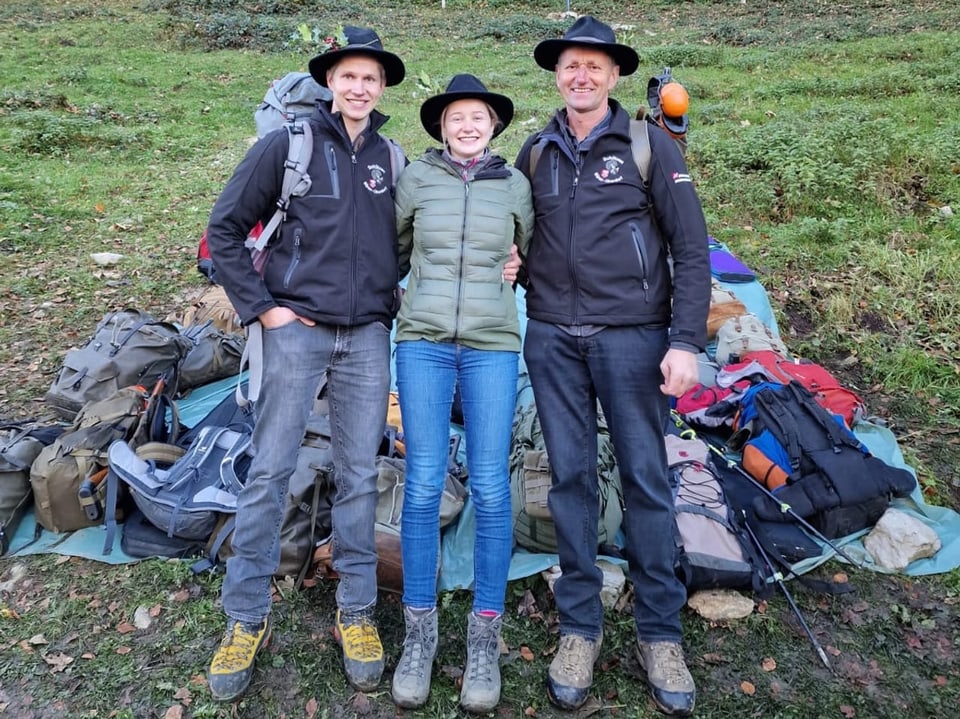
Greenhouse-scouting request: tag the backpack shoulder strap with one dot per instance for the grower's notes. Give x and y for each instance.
(536, 150)
(398, 160)
(640, 145)
(296, 180)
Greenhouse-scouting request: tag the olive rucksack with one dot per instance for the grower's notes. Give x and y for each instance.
(530, 481)
(77, 459)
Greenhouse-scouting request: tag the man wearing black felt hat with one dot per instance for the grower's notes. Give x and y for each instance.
(608, 320)
(325, 301)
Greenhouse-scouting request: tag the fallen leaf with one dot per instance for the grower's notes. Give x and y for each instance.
(526, 654)
(180, 596)
(38, 640)
(848, 711)
(58, 661)
(312, 707)
(940, 681)
(155, 611)
(530, 712)
(183, 696)
(124, 650)
(768, 664)
(199, 680)
(126, 628)
(174, 712)
(841, 578)
(748, 688)
(62, 559)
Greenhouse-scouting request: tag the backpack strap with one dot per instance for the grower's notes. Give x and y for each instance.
(639, 146)
(398, 160)
(296, 180)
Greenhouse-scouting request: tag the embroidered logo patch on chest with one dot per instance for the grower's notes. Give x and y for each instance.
(377, 181)
(611, 170)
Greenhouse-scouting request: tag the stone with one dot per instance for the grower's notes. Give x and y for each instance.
(720, 604)
(898, 539)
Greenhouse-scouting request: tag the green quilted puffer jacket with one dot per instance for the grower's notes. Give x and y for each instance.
(456, 234)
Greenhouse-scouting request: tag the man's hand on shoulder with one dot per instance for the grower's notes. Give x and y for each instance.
(680, 372)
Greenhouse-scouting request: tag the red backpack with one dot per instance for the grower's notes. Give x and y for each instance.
(773, 367)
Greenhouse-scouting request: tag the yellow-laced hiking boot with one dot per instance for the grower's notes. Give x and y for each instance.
(362, 650)
(232, 666)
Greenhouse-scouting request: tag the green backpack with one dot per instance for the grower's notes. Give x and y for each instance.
(530, 482)
(76, 462)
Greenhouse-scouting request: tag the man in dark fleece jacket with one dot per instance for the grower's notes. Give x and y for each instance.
(608, 321)
(324, 304)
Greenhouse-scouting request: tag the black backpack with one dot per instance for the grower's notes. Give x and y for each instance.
(812, 462)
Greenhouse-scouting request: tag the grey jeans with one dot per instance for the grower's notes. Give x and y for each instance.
(295, 357)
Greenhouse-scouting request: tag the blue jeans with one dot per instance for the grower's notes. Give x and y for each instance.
(427, 373)
(295, 357)
(620, 366)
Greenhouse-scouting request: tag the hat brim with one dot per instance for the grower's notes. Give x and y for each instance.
(393, 67)
(432, 110)
(547, 53)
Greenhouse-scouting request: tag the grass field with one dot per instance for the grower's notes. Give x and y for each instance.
(824, 143)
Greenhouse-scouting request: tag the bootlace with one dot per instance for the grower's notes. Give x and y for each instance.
(485, 638)
(236, 650)
(360, 640)
(668, 663)
(413, 648)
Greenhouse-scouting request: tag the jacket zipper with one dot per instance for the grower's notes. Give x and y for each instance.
(354, 250)
(571, 250)
(463, 245)
(295, 260)
(641, 257)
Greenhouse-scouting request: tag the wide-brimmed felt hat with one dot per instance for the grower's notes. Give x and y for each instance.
(358, 41)
(464, 87)
(587, 31)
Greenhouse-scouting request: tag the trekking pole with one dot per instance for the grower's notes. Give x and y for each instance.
(778, 578)
(784, 507)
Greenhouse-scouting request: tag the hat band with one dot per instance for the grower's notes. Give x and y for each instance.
(588, 39)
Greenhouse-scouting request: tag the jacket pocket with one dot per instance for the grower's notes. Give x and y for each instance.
(294, 257)
(330, 188)
(641, 249)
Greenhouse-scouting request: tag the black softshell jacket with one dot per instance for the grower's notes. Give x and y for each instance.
(596, 256)
(335, 260)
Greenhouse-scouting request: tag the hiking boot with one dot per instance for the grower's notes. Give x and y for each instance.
(669, 679)
(481, 679)
(571, 671)
(232, 665)
(411, 680)
(362, 651)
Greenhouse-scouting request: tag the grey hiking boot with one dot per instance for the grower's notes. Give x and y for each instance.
(411, 680)
(571, 671)
(362, 650)
(669, 679)
(481, 679)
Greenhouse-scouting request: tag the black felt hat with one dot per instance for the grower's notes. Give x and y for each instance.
(587, 31)
(464, 87)
(357, 41)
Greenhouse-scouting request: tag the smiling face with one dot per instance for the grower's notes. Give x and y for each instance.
(467, 127)
(357, 83)
(585, 78)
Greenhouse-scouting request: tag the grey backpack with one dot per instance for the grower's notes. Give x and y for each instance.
(186, 499)
(20, 444)
(129, 347)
